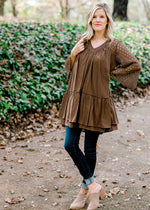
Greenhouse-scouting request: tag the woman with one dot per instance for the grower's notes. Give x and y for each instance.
(87, 104)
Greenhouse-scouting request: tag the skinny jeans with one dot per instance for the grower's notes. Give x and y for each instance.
(86, 161)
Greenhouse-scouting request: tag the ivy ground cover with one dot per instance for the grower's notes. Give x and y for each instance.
(32, 58)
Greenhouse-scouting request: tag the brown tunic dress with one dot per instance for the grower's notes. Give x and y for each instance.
(87, 102)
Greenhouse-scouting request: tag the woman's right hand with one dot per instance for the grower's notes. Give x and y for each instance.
(79, 47)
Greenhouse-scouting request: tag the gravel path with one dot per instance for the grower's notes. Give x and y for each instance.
(38, 173)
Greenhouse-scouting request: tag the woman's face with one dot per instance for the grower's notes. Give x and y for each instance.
(99, 20)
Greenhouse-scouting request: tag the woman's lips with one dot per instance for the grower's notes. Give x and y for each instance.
(97, 24)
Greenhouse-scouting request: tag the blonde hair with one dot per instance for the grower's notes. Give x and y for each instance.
(89, 33)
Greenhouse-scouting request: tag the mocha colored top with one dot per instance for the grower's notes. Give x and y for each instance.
(87, 102)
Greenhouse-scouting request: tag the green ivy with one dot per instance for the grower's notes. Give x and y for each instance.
(32, 58)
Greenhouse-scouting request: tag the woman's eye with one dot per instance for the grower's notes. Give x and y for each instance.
(99, 16)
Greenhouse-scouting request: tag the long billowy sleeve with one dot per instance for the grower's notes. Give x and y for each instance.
(127, 67)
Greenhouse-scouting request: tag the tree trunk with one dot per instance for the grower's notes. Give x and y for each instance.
(67, 9)
(64, 5)
(62, 8)
(120, 9)
(147, 8)
(2, 7)
(13, 4)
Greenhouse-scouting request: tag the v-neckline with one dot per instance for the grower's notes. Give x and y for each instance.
(94, 48)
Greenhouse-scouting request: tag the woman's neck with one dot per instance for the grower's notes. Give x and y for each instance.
(99, 35)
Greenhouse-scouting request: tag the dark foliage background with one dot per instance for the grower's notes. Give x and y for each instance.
(32, 57)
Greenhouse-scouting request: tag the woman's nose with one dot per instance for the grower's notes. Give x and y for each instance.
(97, 19)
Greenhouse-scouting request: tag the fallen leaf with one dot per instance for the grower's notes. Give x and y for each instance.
(20, 161)
(31, 150)
(40, 167)
(46, 190)
(41, 195)
(146, 172)
(56, 159)
(115, 190)
(68, 176)
(61, 176)
(2, 143)
(23, 146)
(27, 172)
(2, 147)
(122, 192)
(109, 195)
(55, 204)
(20, 198)
(14, 200)
(5, 158)
(67, 158)
(115, 182)
(140, 133)
(8, 200)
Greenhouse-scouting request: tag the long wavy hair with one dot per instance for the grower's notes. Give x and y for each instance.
(89, 33)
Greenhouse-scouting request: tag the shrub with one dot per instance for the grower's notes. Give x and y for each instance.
(32, 58)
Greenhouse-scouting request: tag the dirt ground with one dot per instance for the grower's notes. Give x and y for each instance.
(38, 173)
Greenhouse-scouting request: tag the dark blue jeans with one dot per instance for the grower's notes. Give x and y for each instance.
(86, 161)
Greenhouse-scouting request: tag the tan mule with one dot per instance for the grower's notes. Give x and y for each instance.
(79, 202)
(94, 199)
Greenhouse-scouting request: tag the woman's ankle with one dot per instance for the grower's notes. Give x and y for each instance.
(94, 187)
(83, 191)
